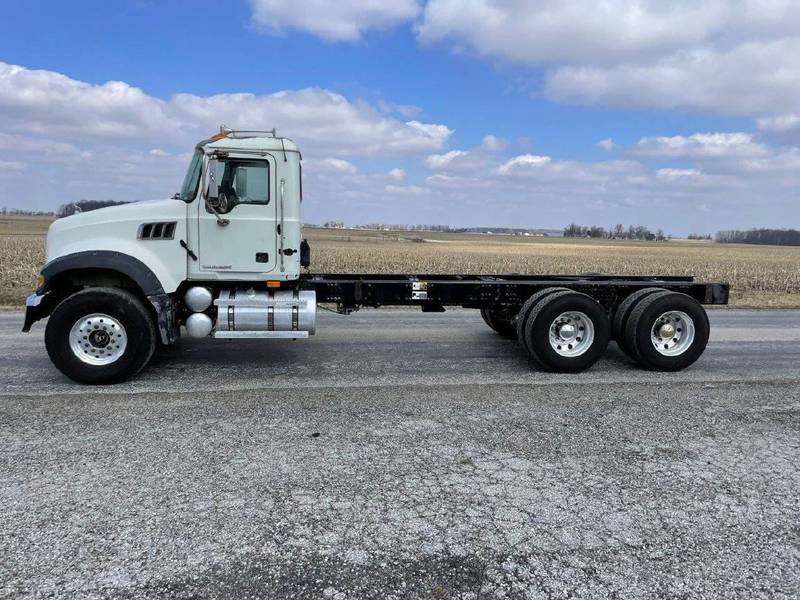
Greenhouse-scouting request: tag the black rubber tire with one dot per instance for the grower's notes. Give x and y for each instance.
(499, 323)
(642, 319)
(117, 303)
(525, 311)
(537, 331)
(623, 312)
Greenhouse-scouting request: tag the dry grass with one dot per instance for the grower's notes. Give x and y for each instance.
(21, 254)
(762, 276)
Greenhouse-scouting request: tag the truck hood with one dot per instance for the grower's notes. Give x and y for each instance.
(122, 212)
(99, 228)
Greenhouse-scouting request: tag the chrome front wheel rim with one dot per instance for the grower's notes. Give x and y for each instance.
(98, 339)
(672, 333)
(571, 334)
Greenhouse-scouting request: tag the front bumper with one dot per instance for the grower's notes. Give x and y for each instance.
(37, 307)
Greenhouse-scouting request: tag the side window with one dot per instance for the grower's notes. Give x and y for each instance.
(242, 181)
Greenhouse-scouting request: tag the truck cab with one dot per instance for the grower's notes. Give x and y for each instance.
(230, 242)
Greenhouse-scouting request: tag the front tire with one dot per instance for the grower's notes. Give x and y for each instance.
(100, 336)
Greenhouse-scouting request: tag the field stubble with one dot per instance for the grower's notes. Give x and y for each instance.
(760, 276)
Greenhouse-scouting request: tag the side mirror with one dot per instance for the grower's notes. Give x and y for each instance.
(212, 189)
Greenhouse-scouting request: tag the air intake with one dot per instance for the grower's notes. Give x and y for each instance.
(157, 231)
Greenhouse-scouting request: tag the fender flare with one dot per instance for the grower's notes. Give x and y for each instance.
(104, 259)
(139, 272)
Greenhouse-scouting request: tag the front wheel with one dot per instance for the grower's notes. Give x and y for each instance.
(100, 336)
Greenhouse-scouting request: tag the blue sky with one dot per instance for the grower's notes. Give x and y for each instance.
(687, 146)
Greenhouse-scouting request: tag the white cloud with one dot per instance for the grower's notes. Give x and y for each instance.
(440, 161)
(435, 135)
(607, 144)
(491, 143)
(404, 189)
(12, 165)
(553, 30)
(782, 124)
(737, 57)
(343, 20)
(523, 163)
(397, 174)
(115, 141)
(330, 165)
(676, 173)
(700, 186)
(51, 104)
(754, 78)
(701, 145)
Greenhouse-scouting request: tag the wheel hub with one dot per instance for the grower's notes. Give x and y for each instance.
(98, 339)
(673, 333)
(571, 334)
(667, 330)
(567, 332)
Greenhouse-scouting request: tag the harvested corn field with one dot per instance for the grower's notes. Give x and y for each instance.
(760, 276)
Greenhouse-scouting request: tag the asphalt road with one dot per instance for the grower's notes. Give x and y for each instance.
(404, 455)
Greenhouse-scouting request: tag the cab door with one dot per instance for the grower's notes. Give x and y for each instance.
(237, 230)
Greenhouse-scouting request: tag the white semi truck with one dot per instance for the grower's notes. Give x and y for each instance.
(225, 258)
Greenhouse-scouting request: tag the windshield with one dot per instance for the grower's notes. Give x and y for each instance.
(192, 179)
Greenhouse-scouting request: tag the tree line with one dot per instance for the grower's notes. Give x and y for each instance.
(66, 210)
(19, 212)
(618, 232)
(773, 237)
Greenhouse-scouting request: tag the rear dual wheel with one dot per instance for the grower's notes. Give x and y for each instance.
(563, 331)
(500, 322)
(665, 331)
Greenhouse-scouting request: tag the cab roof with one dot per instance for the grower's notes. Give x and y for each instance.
(248, 139)
(255, 142)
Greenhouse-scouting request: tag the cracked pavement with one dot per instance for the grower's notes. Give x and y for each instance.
(397, 480)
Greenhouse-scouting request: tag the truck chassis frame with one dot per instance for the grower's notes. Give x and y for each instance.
(433, 292)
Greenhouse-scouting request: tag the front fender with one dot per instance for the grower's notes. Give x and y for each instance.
(103, 259)
(40, 304)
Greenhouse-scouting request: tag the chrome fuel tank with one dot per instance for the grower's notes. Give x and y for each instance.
(281, 310)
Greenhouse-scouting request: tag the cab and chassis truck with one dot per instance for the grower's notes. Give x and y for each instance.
(225, 258)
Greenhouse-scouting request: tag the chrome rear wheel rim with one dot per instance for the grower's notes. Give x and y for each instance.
(98, 339)
(672, 333)
(571, 334)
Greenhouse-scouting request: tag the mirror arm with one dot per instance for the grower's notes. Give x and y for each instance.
(220, 221)
(207, 194)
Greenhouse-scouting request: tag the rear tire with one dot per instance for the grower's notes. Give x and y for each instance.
(525, 311)
(622, 314)
(100, 336)
(667, 331)
(567, 332)
(499, 322)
